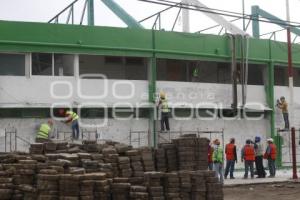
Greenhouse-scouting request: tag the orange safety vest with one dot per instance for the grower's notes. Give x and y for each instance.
(230, 152)
(249, 153)
(273, 153)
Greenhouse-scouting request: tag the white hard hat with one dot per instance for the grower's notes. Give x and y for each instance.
(270, 140)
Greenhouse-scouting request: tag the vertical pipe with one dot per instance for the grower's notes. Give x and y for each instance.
(185, 19)
(243, 5)
(16, 140)
(255, 22)
(295, 176)
(90, 11)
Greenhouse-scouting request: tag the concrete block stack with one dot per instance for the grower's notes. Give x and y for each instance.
(69, 187)
(154, 183)
(147, 159)
(185, 185)
(160, 159)
(136, 166)
(138, 193)
(172, 186)
(198, 185)
(120, 189)
(87, 184)
(49, 147)
(90, 146)
(171, 156)
(61, 147)
(6, 185)
(48, 184)
(110, 155)
(186, 148)
(36, 148)
(102, 189)
(124, 167)
(214, 187)
(201, 154)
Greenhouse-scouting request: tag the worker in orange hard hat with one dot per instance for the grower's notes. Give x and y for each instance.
(164, 110)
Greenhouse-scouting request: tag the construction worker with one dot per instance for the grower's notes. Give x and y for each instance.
(270, 155)
(218, 160)
(282, 104)
(258, 147)
(72, 117)
(231, 158)
(210, 155)
(43, 133)
(248, 157)
(195, 75)
(164, 108)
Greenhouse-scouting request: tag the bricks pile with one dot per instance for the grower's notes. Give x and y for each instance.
(110, 171)
(153, 181)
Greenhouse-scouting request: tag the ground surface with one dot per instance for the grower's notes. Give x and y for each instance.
(267, 191)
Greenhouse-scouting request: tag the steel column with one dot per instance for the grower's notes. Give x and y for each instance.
(255, 22)
(90, 11)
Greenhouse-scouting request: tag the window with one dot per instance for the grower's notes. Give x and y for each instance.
(114, 67)
(281, 76)
(24, 112)
(42, 64)
(12, 64)
(63, 65)
(256, 74)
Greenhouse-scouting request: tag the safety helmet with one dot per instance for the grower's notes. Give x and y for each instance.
(257, 139)
(270, 140)
(162, 94)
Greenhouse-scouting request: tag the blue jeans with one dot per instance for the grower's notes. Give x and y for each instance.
(249, 164)
(272, 168)
(218, 168)
(286, 120)
(210, 166)
(229, 167)
(75, 129)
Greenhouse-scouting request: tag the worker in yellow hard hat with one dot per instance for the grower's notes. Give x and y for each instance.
(164, 109)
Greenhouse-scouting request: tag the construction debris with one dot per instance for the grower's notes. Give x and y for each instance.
(57, 170)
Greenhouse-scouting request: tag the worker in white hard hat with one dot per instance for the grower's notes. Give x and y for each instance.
(164, 110)
(270, 155)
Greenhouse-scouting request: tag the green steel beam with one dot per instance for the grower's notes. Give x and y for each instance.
(122, 14)
(257, 11)
(90, 11)
(255, 22)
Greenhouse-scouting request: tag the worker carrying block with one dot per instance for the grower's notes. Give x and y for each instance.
(71, 119)
(43, 133)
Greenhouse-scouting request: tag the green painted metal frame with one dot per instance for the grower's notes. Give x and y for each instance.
(122, 14)
(58, 38)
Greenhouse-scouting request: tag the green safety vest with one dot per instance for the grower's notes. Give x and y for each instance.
(44, 131)
(164, 106)
(74, 116)
(196, 72)
(218, 155)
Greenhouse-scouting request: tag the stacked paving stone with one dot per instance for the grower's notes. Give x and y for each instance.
(136, 166)
(110, 171)
(102, 189)
(138, 193)
(6, 185)
(185, 185)
(172, 186)
(147, 159)
(154, 183)
(198, 185)
(171, 156)
(69, 187)
(214, 187)
(124, 167)
(160, 159)
(36, 148)
(110, 155)
(47, 184)
(120, 189)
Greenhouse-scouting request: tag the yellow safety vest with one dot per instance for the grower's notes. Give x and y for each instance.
(164, 106)
(44, 131)
(73, 115)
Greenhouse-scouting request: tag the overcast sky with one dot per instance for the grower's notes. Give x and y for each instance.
(43, 10)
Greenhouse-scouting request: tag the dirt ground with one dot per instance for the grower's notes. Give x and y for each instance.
(269, 191)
